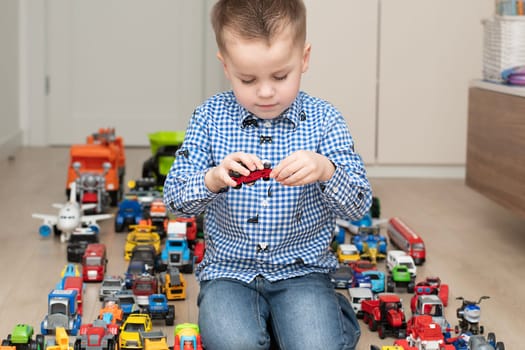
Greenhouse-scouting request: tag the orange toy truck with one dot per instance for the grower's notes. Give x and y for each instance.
(98, 168)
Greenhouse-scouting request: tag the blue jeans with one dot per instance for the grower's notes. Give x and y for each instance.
(303, 313)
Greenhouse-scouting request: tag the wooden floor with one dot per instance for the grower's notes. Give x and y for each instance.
(473, 244)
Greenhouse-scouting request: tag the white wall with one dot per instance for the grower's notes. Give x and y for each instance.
(10, 133)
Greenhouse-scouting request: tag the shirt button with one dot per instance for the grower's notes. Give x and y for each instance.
(267, 124)
(335, 190)
(265, 203)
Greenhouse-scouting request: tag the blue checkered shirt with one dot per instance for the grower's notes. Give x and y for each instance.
(267, 229)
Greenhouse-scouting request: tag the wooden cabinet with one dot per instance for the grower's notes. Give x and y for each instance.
(496, 144)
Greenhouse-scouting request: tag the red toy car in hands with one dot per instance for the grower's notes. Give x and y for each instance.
(252, 177)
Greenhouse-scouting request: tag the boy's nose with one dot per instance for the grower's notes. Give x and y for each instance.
(265, 90)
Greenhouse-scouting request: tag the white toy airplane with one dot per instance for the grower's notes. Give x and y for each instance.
(70, 217)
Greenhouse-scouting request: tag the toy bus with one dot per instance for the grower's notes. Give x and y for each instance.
(401, 235)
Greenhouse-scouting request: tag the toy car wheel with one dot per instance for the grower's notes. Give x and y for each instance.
(77, 345)
(170, 317)
(456, 329)
(111, 344)
(40, 341)
(481, 329)
(119, 227)
(381, 331)
(491, 338)
(500, 346)
(410, 287)
(6, 342)
(32, 345)
(372, 325)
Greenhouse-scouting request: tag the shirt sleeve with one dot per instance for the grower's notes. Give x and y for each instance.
(185, 193)
(348, 192)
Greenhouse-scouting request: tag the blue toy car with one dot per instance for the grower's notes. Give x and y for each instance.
(129, 213)
(377, 280)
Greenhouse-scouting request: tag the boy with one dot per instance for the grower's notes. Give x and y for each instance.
(267, 259)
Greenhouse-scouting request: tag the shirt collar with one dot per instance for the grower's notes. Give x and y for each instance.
(294, 114)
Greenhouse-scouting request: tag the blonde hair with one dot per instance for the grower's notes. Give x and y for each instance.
(258, 19)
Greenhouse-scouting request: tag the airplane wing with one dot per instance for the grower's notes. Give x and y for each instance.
(50, 220)
(92, 219)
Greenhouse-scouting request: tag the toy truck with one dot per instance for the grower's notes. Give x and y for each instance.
(158, 308)
(61, 341)
(176, 251)
(164, 145)
(424, 335)
(91, 186)
(173, 284)
(94, 262)
(154, 340)
(21, 338)
(385, 314)
(97, 336)
(187, 336)
(108, 138)
(98, 160)
(432, 306)
(62, 312)
(129, 213)
(144, 286)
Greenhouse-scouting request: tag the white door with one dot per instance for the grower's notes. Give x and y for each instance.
(135, 65)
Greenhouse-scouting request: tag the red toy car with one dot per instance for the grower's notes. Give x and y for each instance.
(252, 177)
(362, 265)
(431, 285)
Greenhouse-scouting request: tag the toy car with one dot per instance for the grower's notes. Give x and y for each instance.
(127, 302)
(432, 285)
(141, 235)
(357, 295)
(187, 336)
(111, 285)
(78, 241)
(111, 312)
(129, 337)
(97, 336)
(400, 277)
(154, 340)
(253, 176)
(377, 280)
(342, 277)
(21, 337)
(347, 253)
(129, 213)
(362, 265)
(432, 306)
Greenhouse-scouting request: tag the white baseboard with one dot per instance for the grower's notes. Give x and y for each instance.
(416, 171)
(9, 144)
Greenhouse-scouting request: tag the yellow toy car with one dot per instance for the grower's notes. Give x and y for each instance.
(347, 253)
(141, 235)
(129, 337)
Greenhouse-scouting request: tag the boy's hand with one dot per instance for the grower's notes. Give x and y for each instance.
(219, 177)
(303, 167)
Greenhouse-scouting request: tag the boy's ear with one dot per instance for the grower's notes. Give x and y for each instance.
(224, 67)
(306, 57)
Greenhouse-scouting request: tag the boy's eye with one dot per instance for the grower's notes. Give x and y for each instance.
(247, 81)
(281, 77)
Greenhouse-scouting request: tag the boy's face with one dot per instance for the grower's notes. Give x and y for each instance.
(265, 78)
